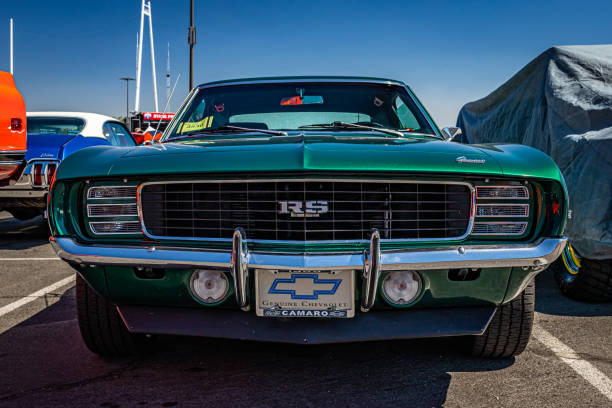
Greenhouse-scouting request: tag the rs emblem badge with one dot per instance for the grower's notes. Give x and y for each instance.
(303, 209)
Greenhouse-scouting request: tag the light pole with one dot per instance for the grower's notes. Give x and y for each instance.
(191, 40)
(127, 98)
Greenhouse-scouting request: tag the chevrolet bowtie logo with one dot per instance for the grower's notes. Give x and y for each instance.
(304, 286)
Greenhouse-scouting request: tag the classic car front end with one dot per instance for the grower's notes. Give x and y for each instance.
(307, 210)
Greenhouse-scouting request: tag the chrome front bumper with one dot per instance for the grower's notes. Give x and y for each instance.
(239, 260)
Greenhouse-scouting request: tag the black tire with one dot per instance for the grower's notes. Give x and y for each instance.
(509, 330)
(587, 280)
(101, 327)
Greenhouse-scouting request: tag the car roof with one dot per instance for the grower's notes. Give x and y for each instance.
(93, 121)
(84, 115)
(303, 79)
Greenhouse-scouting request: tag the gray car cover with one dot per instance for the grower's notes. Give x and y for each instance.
(560, 103)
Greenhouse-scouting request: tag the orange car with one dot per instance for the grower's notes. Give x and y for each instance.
(12, 129)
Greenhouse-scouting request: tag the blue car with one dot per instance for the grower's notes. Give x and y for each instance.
(52, 136)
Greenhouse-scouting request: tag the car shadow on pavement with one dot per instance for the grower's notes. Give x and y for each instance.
(45, 362)
(550, 300)
(16, 234)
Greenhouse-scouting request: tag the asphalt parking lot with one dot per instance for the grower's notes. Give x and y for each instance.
(43, 361)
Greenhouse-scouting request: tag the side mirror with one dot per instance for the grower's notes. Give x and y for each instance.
(450, 132)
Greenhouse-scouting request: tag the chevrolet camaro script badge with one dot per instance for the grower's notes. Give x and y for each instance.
(463, 159)
(302, 209)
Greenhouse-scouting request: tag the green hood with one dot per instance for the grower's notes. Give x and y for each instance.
(325, 152)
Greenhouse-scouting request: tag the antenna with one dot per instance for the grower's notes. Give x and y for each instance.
(11, 46)
(145, 11)
(168, 75)
(167, 103)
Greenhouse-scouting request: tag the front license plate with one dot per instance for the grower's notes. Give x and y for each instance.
(305, 293)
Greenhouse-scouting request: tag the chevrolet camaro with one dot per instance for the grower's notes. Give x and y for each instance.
(307, 210)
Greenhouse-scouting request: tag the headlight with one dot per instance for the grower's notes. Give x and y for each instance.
(401, 287)
(209, 286)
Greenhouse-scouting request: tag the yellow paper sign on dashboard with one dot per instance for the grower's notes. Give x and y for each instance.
(191, 126)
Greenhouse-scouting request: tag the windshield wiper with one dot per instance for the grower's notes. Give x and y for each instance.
(346, 125)
(229, 129)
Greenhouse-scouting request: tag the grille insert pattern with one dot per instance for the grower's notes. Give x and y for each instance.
(110, 210)
(317, 210)
(502, 210)
(502, 192)
(115, 227)
(112, 192)
(499, 228)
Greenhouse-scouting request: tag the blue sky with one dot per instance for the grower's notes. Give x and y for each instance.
(69, 55)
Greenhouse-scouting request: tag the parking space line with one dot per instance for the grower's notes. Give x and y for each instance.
(30, 259)
(585, 369)
(33, 296)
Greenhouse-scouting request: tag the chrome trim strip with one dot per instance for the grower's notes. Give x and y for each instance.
(503, 198)
(303, 80)
(525, 206)
(88, 197)
(382, 81)
(524, 224)
(371, 273)
(537, 254)
(273, 180)
(240, 269)
(12, 162)
(91, 206)
(91, 228)
(180, 111)
(418, 104)
(10, 152)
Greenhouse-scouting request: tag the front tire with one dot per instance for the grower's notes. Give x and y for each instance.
(587, 280)
(102, 328)
(509, 330)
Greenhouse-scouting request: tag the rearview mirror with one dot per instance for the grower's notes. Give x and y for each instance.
(450, 132)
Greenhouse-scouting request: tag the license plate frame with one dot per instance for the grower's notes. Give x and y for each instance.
(305, 294)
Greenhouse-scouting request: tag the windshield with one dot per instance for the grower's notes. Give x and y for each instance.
(300, 106)
(55, 125)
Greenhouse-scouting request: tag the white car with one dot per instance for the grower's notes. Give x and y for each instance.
(83, 123)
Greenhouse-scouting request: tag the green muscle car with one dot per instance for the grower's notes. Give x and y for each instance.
(307, 210)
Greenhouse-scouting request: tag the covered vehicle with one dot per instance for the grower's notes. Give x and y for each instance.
(53, 136)
(561, 104)
(307, 210)
(12, 129)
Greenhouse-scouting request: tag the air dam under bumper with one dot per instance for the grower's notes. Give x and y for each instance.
(233, 324)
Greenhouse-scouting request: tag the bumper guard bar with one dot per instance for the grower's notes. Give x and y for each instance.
(239, 260)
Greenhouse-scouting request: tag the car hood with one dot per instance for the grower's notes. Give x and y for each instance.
(321, 152)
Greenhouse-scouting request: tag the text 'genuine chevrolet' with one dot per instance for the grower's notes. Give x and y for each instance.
(307, 210)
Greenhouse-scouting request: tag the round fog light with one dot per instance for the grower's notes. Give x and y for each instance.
(401, 287)
(209, 286)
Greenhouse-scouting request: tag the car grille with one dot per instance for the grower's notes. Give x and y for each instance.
(311, 210)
